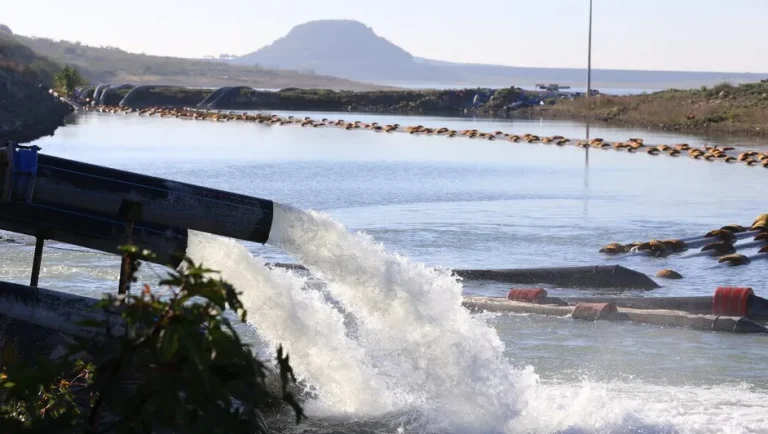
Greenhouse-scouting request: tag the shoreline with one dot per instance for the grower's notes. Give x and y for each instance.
(722, 110)
(27, 111)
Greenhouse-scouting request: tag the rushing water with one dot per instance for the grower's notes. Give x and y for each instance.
(385, 341)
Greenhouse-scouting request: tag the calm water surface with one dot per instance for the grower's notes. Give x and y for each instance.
(460, 203)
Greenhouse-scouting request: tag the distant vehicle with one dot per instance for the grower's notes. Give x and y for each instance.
(552, 87)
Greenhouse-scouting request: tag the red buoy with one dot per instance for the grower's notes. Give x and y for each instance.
(528, 295)
(731, 301)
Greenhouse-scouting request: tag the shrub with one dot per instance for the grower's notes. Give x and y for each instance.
(178, 366)
(68, 80)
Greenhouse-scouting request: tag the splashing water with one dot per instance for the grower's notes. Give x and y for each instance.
(411, 322)
(310, 329)
(417, 350)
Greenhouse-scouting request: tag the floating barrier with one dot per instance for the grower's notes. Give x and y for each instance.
(736, 310)
(726, 244)
(203, 112)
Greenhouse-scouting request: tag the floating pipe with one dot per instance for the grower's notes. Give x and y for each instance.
(665, 318)
(598, 276)
(697, 305)
(725, 301)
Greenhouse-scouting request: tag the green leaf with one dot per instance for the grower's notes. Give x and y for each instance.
(91, 323)
(168, 343)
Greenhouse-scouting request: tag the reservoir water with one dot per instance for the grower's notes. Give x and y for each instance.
(460, 203)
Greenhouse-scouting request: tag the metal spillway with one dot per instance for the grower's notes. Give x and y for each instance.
(102, 208)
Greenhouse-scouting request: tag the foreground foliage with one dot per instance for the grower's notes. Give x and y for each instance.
(173, 364)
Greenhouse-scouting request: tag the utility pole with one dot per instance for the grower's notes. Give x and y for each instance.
(589, 53)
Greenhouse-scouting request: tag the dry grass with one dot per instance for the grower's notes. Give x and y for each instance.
(722, 109)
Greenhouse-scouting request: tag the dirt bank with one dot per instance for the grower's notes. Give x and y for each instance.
(27, 111)
(481, 101)
(723, 109)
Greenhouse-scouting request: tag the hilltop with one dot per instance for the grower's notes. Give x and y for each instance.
(350, 49)
(114, 65)
(343, 48)
(20, 59)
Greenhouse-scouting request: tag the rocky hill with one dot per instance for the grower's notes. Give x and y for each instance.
(113, 65)
(344, 48)
(22, 60)
(350, 49)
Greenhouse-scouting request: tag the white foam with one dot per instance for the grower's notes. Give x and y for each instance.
(416, 349)
(309, 328)
(411, 322)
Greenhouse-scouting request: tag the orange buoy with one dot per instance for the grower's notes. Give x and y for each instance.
(593, 311)
(669, 274)
(731, 301)
(529, 295)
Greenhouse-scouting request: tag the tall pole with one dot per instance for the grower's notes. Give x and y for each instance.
(589, 53)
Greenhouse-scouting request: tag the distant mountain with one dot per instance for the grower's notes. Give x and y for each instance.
(350, 49)
(344, 48)
(115, 66)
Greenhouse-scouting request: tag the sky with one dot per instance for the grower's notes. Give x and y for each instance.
(686, 35)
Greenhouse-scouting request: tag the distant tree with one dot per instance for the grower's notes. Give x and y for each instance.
(5, 29)
(68, 80)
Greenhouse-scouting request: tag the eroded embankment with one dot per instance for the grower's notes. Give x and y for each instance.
(27, 111)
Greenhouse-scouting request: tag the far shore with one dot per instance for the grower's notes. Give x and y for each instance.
(721, 110)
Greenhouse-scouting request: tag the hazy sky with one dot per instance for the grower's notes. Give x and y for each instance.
(714, 35)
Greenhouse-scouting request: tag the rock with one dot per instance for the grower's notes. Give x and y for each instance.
(27, 111)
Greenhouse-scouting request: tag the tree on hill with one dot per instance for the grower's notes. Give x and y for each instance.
(68, 80)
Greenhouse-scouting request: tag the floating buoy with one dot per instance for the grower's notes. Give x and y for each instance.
(669, 274)
(613, 249)
(529, 295)
(724, 235)
(734, 259)
(720, 248)
(733, 228)
(593, 311)
(731, 301)
(676, 245)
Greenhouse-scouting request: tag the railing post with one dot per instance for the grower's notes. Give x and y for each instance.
(37, 261)
(130, 211)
